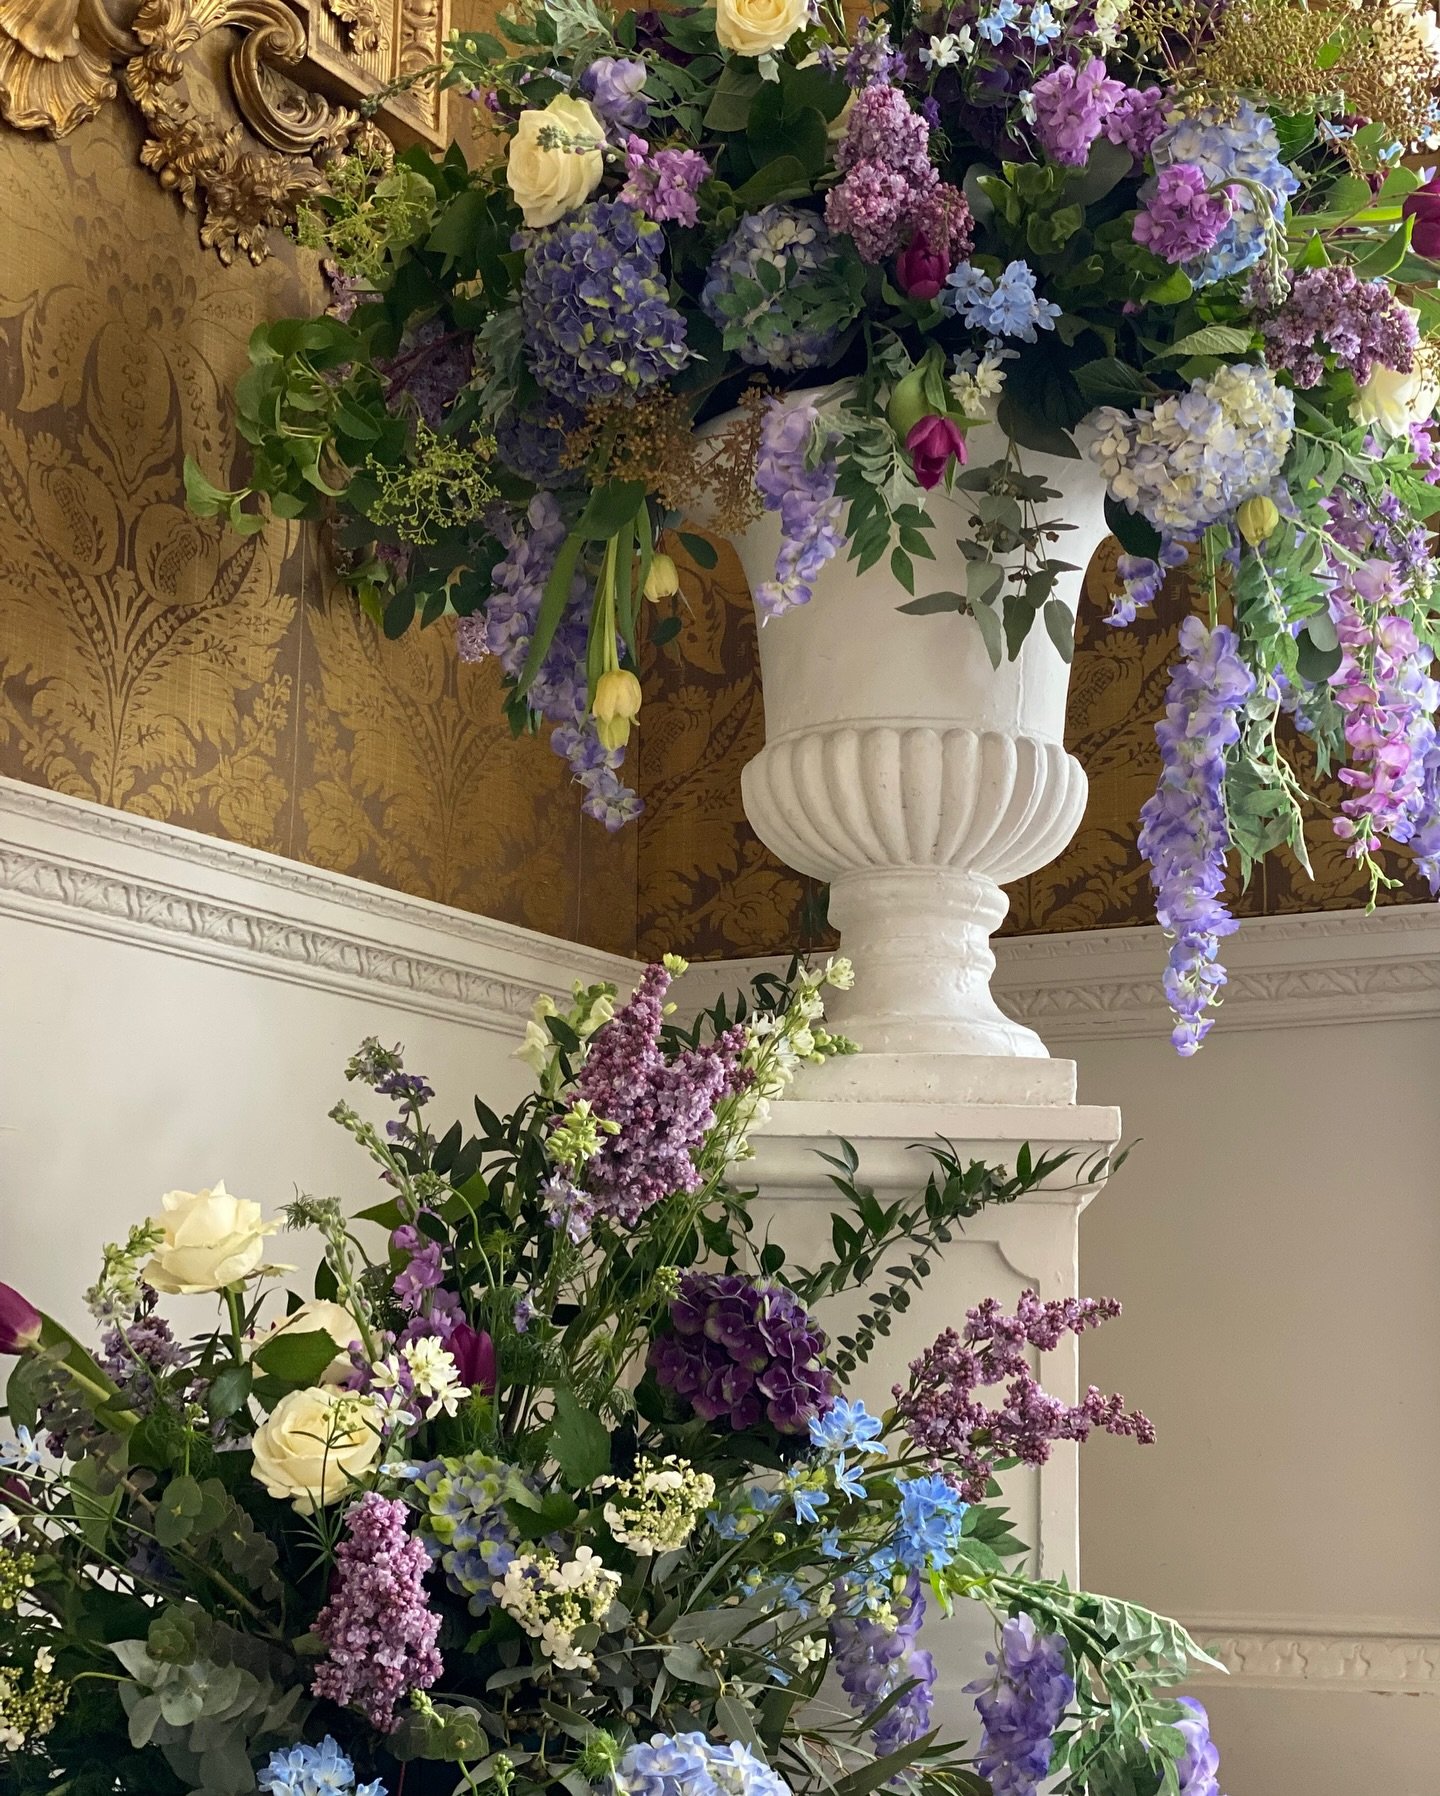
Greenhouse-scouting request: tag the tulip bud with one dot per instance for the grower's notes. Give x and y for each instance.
(662, 582)
(1257, 518)
(474, 1354)
(616, 705)
(20, 1322)
(908, 404)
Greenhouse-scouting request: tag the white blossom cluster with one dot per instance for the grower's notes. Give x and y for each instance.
(419, 1382)
(29, 1708)
(554, 1599)
(778, 1044)
(655, 1509)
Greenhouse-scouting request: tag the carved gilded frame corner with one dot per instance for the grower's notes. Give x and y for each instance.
(243, 100)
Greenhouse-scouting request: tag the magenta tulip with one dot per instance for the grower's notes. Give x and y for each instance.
(20, 1322)
(474, 1354)
(919, 270)
(1424, 207)
(932, 442)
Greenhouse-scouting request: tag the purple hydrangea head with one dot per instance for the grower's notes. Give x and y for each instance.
(744, 1351)
(595, 304)
(531, 440)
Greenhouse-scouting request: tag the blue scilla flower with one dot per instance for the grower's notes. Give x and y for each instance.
(322, 1770)
(595, 304)
(846, 1427)
(1232, 142)
(1007, 307)
(929, 1523)
(756, 288)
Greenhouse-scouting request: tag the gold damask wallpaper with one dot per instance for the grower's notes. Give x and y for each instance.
(161, 665)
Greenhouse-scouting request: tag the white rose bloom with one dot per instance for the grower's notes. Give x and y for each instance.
(1395, 401)
(548, 183)
(758, 27)
(320, 1315)
(211, 1240)
(314, 1444)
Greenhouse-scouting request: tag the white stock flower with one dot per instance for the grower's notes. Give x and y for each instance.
(550, 179)
(209, 1240)
(1395, 401)
(315, 1444)
(758, 27)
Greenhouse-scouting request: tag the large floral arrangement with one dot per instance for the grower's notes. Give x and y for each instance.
(552, 1486)
(1184, 226)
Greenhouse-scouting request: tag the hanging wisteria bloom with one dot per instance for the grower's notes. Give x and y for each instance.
(796, 476)
(1184, 833)
(874, 1658)
(1021, 1707)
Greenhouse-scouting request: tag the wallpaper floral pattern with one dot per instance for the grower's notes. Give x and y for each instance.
(161, 665)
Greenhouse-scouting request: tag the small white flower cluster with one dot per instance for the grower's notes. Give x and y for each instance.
(554, 1599)
(778, 1044)
(655, 1509)
(28, 1711)
(434, 1386)
(978, 381)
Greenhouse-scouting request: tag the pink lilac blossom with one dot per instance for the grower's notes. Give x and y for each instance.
(663, 183)
(1182, 217)
(1361, 323)
(377, 1626)
(1071, 107)
(663, 1107)
(810, 513)
(1137, 120)
(1184, 834)
(943, 1415)
(884, 157)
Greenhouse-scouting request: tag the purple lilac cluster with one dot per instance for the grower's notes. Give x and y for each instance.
(744, 1352)
(559, 692)
(1388, 701)
(872, 59)
(663, 1108)
(428, 371)
(1183, 829)
(804, 496)
(1182, 216)
(596, 305)
(872, 1661)
(943, 1415)
(663, 183)
(1198, 1769)
(884, 162)
(378, 1628)
(1360, 323)
(1021, 1707)
(142, 1352)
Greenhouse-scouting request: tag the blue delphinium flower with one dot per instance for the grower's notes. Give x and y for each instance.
(998, 21)
(1042, 25)
(847, 1482)
(322, 1770)
(596, 305)
(929, 1523)
(1007, 307)
(1021, 1707)
(847, 1427)
(808, 1503)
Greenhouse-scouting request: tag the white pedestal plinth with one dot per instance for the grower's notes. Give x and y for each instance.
(986, 1109)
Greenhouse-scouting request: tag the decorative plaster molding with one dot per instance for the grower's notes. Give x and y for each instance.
(75, 865)
(1355, 1654)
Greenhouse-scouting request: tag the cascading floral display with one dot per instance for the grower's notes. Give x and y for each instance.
(1180, 239)
(551, 1507)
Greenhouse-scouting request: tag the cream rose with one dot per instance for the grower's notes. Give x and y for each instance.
(1395, 401)
(211, 1240)
(320, 1315)
(315, 1443)
(756, 27)
(548, 183)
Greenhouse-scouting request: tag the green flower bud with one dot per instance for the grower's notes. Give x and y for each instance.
(1257, 518)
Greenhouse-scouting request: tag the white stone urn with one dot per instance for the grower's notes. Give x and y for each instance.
(913, 776)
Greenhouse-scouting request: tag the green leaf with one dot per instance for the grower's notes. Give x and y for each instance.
(579, 1442)
(699, 548)
(992, 631)
(1136, 535)
(1109, 381)
(228, 1393)
(783, 179)
(928, 604)
(1213, 339)
(297, 1357)
(611, 508)
(552, 608)
(1060, 627)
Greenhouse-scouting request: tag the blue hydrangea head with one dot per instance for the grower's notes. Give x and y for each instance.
(1235, 141)
(595, 305)
(305, 1770)
(691, 1765)
(765, 289)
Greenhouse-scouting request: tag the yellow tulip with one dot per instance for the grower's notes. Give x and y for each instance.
(616, 705)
